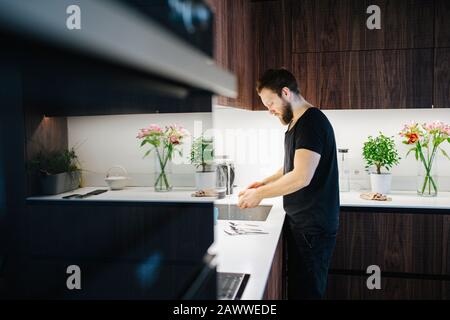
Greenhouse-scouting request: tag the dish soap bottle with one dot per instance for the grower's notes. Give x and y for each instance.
(344, 171)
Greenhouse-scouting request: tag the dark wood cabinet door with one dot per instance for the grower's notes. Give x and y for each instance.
(442, 23)
(396, 79)
(272, 40)
(404, 24)
(327, 25)
(275, 286)
(304, 26)
(233, 47)
(305, 67)
(446, 248)
(353, 287)
(121, 230)
(380, 79)
(442, 78)
(126, 250)
(396, 242)
(331, 25)
(334, 79)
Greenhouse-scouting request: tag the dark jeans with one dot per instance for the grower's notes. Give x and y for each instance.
(309, 257)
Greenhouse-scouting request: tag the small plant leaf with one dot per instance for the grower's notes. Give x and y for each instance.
(444, 153)
(147, 153)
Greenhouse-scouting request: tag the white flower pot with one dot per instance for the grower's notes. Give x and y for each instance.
(205, 180)
(381, 183)
(60, 183)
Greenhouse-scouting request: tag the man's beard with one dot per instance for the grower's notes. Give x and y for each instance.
(287, 114)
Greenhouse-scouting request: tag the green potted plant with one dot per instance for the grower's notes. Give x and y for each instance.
(59, 171)
(380, 152)
(202, 157)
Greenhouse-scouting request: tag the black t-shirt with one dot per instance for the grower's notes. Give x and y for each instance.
(315, 208)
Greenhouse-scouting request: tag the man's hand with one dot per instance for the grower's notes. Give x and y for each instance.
(254, 185)
(250, 198)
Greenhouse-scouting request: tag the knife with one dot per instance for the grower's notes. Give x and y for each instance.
(82, 196)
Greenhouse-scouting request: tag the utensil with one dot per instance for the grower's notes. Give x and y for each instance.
(82, 196)
(244, 224)
(244, 229)
(117, 182)
(235, 231)
(243, 233)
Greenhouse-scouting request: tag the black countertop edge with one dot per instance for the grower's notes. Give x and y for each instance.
(395, 210)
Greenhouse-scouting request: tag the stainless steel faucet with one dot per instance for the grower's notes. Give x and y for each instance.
(226, 170)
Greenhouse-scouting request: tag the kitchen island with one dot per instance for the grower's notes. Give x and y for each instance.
(252, 254)
(408, 237)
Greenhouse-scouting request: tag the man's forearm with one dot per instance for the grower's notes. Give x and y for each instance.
(273, 177)
(286, 184)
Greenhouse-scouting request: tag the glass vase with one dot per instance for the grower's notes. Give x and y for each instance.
(163, 171)
(427, 178)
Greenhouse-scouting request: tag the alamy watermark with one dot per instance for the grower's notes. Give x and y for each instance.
(374, 280)
(73, 281)
(374, 20)
(73, 20)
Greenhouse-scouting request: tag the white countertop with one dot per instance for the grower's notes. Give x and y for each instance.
(252, 254)
(134, 194)
(400, 199)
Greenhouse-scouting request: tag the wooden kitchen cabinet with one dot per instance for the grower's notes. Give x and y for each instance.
(442, 78)
(327, 25)
(233, 47)
(395, 79)
(305, 67)
(121, 231)
(335, 77)
(379, 79)
(125, 250)
(411, 249)
(276, 285)
(339, 63)
(404, 24)
(442, 23)
(446, 248)
(250, 37)
(272, 40)
(396, 242)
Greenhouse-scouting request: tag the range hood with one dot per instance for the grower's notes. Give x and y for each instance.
(114, 32)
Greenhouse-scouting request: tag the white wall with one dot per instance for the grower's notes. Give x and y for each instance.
(104, 141)
(255, 140)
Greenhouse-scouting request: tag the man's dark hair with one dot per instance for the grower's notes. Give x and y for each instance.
(277, 79)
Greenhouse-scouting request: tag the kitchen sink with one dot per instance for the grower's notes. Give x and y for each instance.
(233, 212)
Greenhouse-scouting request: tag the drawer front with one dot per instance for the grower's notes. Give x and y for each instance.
(396, 242)
(177, 232)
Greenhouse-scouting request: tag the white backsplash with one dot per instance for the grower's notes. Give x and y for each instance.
(104, 141)
(254, 139)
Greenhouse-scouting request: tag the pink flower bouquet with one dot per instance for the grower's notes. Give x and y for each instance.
(426, 140)
(164, 142)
